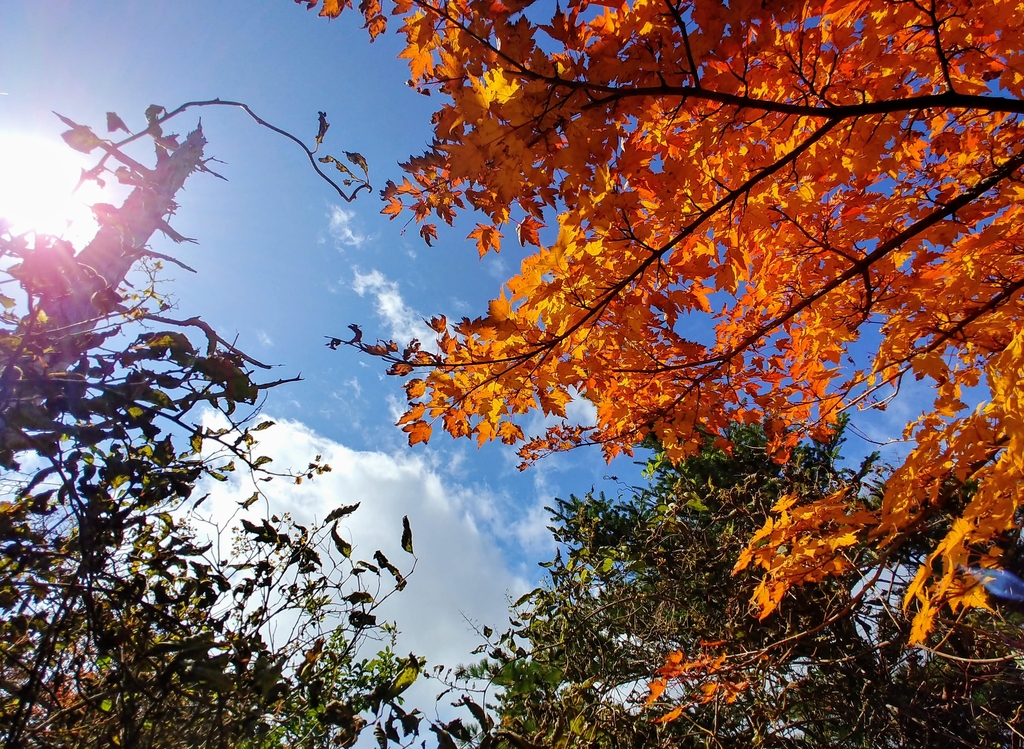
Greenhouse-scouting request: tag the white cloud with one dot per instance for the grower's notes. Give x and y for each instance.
(530, 530)
(405, 322)
(496, 267)
(353, 387)
(581, 411)
(881, 429)
(396, 407)
(341, 227)
(264, 339)
(460, 576)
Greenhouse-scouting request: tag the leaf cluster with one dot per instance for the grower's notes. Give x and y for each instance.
(124, 618)
(738, 212)
(649, 579)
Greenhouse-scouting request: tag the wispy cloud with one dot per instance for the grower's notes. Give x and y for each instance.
(496, 267)
(530, 529)
(353, 386)
(405, 322)
(341, 226)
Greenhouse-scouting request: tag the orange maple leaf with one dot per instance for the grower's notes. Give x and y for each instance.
(824, 242)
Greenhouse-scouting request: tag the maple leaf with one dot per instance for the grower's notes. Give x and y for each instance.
(528, 231)
(830, 239)
(370, 9)
(418, 431)
(333, 8)
(671, 715)
(922, 624)
(487, 238)
(415, 388)
(499, 309)
(376, 26)
(429, 233)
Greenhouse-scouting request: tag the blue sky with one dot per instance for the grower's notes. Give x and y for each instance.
(282, 263)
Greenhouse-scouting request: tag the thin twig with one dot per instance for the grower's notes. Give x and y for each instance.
(310, 154)
(211, 336)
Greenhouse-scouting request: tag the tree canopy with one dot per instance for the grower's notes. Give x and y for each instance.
(757, 213)
(648, 577)
(121, 622)
(741, 221)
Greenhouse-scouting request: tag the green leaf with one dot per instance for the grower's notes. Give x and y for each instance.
(385, 563)
(168, 340)
(406, 678)
(158, 398)
(341, 544)
(525, 598)
(361, 620)
(341, 512)
(444, 740)
(478, 712)
(406, 535)
(79, 137)
(216, 679)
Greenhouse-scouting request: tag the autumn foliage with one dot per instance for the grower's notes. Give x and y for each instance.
(743, 212)
(648, 572)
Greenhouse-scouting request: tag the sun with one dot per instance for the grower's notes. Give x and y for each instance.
(37, 188)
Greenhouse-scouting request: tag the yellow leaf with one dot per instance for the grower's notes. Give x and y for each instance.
(415, 388)
(924, 621)
(418, 431)
(499, 309)
(333, 8)
(670, 716)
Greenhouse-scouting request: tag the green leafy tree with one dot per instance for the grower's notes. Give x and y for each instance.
(120, 623)
(649, 580)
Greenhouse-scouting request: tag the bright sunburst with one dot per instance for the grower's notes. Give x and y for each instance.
(37, 177)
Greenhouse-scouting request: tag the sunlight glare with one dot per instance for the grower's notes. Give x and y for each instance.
(37, 177)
